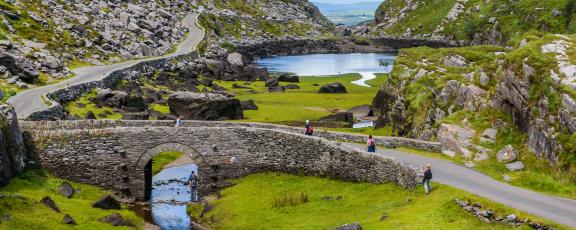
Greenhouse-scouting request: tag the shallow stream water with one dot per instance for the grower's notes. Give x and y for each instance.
(170, 196)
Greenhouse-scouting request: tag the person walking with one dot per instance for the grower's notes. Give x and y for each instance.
(427, 170)
(371, 144)
(178, 121)
(193, 183)
(309, 128)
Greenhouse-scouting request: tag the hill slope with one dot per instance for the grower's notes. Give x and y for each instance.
(476, 21)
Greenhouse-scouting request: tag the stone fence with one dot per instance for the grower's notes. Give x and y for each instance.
(117, 158)
(389, 142)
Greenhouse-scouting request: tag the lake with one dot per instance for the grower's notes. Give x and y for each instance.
(365, 64)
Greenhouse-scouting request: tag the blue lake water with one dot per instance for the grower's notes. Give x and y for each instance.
(329, 64)
(169, 195)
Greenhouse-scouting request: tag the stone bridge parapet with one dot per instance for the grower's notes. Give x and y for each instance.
(114, 157)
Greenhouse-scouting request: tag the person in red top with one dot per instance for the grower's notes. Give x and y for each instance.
(309, 129)
(371, 144)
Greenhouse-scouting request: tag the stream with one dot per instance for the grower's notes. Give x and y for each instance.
(170, 195)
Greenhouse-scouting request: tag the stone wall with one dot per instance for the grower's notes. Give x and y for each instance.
(12, 149)
(115, 157)
(389, 142)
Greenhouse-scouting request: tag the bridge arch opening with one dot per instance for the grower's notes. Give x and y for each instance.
(146, 163)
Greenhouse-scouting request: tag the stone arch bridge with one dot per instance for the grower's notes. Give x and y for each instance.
(114, 154)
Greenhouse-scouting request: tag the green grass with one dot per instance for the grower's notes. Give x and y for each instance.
(304, 103)
(101, 113)
(162, 159)
(250, 205)
(25, 212)
(161, 108)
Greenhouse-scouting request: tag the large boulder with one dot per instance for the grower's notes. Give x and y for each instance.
(507, 154)
(107, 203)
(116, 220)
(455, 60)
(271, 82)
(19, 66)
(288, 78)
(48, 202)
(455, 138)
(515, 166)
(249, 105)
(339, 117)
(205, 106)
(12, 148)
(235, 59)
(353, 226)
(336, 87)
(66, 190)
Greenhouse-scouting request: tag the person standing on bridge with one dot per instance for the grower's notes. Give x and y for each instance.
(309, 129)
(427, 170)
(179, 121)
(371, 144)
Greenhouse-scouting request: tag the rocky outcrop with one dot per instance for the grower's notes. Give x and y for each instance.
(12, 148)
(336, 87)
(205, 106)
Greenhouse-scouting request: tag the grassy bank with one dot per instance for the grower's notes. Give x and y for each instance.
(19, 209)
(163, 159)
(253, 204)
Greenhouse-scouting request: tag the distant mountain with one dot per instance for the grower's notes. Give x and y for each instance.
(348, 13)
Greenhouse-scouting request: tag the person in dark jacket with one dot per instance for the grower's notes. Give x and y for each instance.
(193, 183)
(427, 170)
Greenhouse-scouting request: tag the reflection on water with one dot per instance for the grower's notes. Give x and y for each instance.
(170, 193)
(363, 124)
(329, 64)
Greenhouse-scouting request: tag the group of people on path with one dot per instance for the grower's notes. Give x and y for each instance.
(426, 170)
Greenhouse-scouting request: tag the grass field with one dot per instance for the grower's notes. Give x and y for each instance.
(252, 204)
(19, 209)
(304, 103)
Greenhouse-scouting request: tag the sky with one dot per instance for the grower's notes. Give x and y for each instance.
(345, 1)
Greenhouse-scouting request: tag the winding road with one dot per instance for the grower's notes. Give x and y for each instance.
(559, 210)
(30, 101)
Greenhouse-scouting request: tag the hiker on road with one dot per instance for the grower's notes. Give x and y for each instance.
(309, 129)
(427, 170)
(371, 144)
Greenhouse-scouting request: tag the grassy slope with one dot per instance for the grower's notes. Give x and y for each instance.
(248, 205)
(514, 17)
(162, 159)
(33, 185)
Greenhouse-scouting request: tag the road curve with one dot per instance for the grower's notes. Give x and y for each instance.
(559, 210)
(30, 101)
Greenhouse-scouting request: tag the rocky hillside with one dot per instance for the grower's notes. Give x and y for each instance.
(244, 23)
(477, 100)
(41, 39)
(12, 150)
(476, 21)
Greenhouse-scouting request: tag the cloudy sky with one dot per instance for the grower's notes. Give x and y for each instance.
(346, 1)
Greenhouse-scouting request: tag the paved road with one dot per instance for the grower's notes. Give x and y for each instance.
(30, 101)
(559, 210)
